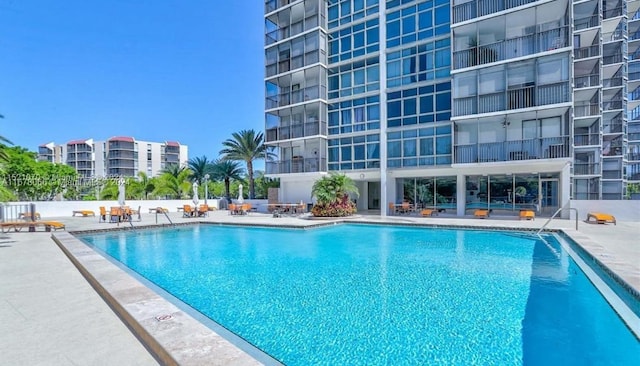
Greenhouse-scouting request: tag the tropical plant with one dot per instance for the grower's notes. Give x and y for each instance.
(332, 194)
(263, 184)
(174, 182)
(226, 170)
(200, 166)
(246, 146)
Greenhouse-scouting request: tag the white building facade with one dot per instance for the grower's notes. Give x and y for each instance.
(117, 156)
(505, 105)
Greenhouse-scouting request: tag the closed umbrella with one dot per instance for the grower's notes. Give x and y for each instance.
(121, 183)
(240, 198)
(195, 193)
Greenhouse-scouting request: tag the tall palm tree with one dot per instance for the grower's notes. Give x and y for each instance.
(246, 146)
(225, 170)
(173, 169)
(200, 166)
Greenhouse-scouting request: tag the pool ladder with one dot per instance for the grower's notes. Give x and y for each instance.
(160, 209)
(556, 214)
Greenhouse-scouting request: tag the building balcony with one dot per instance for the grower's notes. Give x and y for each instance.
(272, 5)
(512, 48)
(612, 13)
(586, 196)
(612, 83)
(585, 52)
(296, 165)
(612, 127)
(296, 131)
(478, 8)
(587, 22)
(611, 174)
(633, 157)
(586, 81)
(297, 96)
(612, 150)
(586, 168)
(613, 59)
(586, 110)
(544, 148)
(514, 98)
(591, 139)
(633, 137)
(612, 105)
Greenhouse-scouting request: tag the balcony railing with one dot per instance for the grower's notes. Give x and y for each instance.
(613, 82)
(611, 174)
(612, 105)
(512, 48)
(544, 148)
(308, 58)
(296, 96)
(584, 52)
(613, 59)
(300, 165)
(614, 126)
(612, 13)
(296, 131)
(586, 196)
(587, 81)
(586, 110)
(514, 98)
(586, 168)
(588, 22)
(633, 136)
(271, 5)
(478, 8)
(616, 35)
(589, 139)
(633, 157)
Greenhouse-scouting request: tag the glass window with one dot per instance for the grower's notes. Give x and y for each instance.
(443, 145)
(394, 109)
(409, 106)
(345, 151)
(442, 15)
(426, 146)
(426, 104)
(393, 29)
(358, 152)
(408, 25)
(409, 147)
(443, 101)
(425, 20)
(394, 149)
(373, 112)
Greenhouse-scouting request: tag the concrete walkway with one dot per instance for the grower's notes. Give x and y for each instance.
(52, 316)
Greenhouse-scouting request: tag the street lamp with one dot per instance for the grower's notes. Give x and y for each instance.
(206, 188)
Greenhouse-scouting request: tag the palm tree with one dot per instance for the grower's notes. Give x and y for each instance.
(173, 185)
(246, 146)
(173, 169)
(4, 140)
(225, 170)
(200, 166)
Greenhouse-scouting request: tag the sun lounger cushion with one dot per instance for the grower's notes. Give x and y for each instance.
(601, 218)
(481, 213)
(527, 215)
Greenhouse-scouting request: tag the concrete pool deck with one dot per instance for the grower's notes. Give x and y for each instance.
(52, 315)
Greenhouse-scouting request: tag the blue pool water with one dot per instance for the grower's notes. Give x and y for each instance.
(384, 295)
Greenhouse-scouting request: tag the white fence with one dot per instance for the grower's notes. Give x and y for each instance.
(66, 208)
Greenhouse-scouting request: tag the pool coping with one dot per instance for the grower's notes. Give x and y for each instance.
(175, 337)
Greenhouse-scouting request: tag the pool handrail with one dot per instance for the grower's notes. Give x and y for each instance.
(556, 213)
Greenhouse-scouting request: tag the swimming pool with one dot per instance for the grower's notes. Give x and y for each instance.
(366, 294)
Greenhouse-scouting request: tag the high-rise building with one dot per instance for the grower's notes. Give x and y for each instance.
(117, 156)
(456, 105)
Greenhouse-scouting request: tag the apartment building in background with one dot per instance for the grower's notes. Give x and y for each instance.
(455, 104)
(117, 156)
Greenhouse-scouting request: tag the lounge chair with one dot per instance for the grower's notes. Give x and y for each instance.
(84, 213)
(116, 214)
(245, 208)
(601, 218)
(392, 208)
(527, 215)
(428, 212)
(29, 216)
(481, 213)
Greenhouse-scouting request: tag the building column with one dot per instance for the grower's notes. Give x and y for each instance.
(461, 194)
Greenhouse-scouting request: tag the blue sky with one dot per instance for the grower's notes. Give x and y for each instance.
(189, 70)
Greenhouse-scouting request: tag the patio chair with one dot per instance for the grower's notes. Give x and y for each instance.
(244, 209)
(203, 210)
(187, 211)
(103, 214)
(481, 213)
(83, 213)
(115, 214)
(233, 209)
(601, 218)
